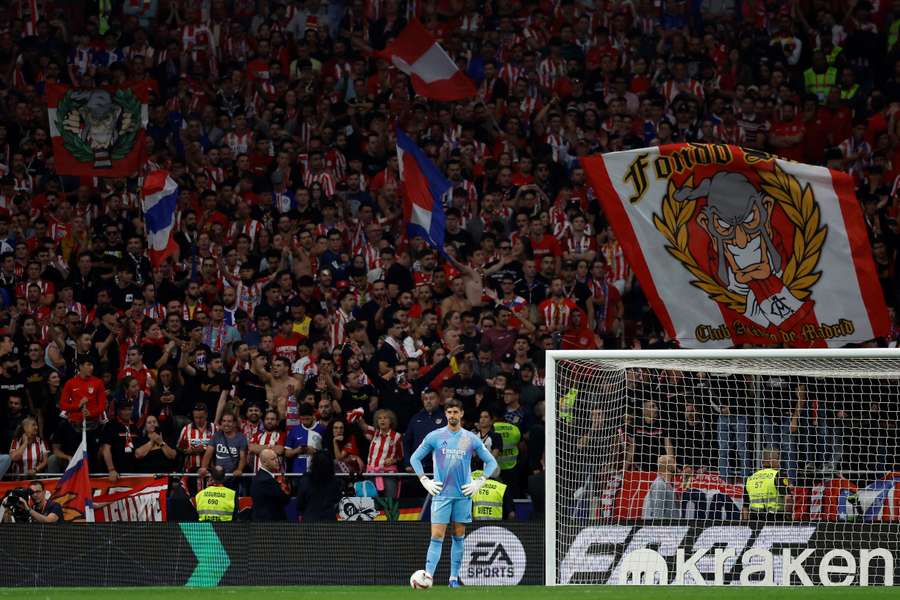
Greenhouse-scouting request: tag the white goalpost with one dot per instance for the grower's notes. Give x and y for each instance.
(648, 456)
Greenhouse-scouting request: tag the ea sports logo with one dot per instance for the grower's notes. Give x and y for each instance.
(493, 556)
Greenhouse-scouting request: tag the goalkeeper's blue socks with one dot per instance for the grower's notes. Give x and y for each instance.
(456, 556)
(433, 556)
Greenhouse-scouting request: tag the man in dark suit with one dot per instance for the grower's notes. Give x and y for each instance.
(268, 496)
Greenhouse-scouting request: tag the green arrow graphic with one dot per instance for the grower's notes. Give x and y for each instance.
(212, 559)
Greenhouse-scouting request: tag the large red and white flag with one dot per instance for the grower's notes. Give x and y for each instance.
(432, 71)
(97, 133)
(737, 246)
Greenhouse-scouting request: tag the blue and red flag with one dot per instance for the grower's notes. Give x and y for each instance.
(159, 199)
(74, 488)
(424, 186)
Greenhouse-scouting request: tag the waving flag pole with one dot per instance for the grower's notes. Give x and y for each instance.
(159, 199)
(432, 71)
(424, 186)
(77, 480)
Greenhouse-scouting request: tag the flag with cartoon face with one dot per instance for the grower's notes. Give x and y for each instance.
(733, 246)
(98, 132)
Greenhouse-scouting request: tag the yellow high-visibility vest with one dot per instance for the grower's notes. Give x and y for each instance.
(215, 503)
(762, 490)
(848, 94)
(511, 435)
(819, 83)
(487, 505)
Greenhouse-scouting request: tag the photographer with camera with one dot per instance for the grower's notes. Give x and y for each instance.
(39, 509)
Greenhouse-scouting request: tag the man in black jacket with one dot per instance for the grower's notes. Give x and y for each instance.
(268, 496)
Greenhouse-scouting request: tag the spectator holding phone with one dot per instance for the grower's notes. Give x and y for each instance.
(303, 441)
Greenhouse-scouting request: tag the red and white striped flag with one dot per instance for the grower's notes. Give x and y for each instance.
(738, 246)
(432, 71)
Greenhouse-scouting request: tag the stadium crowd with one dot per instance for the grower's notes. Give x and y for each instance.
(298, 314)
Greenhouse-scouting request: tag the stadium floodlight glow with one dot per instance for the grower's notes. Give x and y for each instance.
(647, 453)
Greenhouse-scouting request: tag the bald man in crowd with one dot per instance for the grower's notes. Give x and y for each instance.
(269, 498)
(662, 501)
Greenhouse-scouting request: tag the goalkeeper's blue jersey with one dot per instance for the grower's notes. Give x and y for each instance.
(452, 457)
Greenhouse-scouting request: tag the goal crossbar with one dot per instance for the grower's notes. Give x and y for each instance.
(843, 362)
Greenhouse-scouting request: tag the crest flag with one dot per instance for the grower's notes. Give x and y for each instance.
(99, 132)
(736, 246)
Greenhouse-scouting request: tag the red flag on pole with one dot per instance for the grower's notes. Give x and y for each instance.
(432, 71)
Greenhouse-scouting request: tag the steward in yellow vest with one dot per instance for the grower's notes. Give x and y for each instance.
(490, 503)
(511, 436)
(819, 78)
(767, 492)
(216, 502)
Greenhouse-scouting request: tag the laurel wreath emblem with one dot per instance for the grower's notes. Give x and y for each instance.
(68, 123)
(801, 209)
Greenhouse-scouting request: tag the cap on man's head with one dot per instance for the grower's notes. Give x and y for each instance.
(509, 357)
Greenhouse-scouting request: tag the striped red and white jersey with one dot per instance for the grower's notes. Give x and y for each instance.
(550, 71)
(155, 311)
(248, 296)
(195, 437)
(372, 256)
(251, 229)
(557, 315)
(357, 237)
(672, 88)
(338, 329)
(451, 136)
(510, 74)
(215, 174)
(574, 244)
(384, 446)
(23, 184)
(47, 288)
(558, 145)
(336, 162)
(197, 38)
(323, 178)
(618, 268)
(250, 429)
(239, 143)
(471, 195)
(534, 33)
(530, 105)
(324, 228)
(647, 24)
(235, 49)
(147, 51)
(471, 23)
(79, 309)
(88, 213)
(35, 453)
(730, 135)
(266, 438)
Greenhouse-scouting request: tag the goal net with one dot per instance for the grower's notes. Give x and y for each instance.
(777, 467)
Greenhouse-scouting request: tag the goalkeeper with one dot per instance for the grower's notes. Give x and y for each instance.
(452, 487)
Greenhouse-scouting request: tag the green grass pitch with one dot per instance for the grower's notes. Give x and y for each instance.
(441, 592)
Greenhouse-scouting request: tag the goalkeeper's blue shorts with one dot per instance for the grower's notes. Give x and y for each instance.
(451, 510)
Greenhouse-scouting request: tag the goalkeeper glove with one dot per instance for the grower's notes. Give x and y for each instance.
(470, 489)
(431, 486)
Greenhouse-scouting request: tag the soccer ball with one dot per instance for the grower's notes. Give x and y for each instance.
(420, 580)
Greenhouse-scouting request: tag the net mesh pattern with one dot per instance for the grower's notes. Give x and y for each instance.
(717, 421)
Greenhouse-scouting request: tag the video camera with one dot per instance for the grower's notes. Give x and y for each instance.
(11, 503)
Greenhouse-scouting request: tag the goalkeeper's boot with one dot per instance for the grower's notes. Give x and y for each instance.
(455, 583)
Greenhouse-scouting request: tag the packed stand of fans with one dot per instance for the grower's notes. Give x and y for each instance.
(299, 315)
